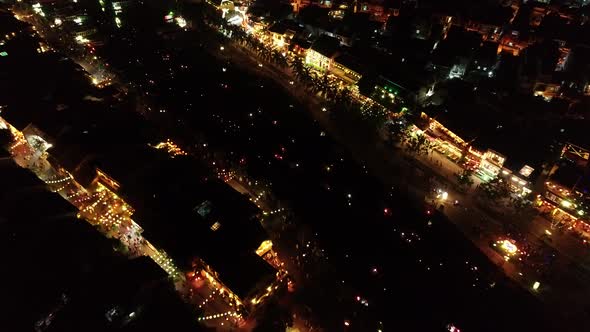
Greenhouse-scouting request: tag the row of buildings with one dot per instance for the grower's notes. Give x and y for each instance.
(66, 275)
(446, 41)
(204, 234)
(524, 49)
(201, 232)
(566, 194)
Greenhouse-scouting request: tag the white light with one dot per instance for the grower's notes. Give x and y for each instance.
(430, 92)
(180, 21)
(536, 285)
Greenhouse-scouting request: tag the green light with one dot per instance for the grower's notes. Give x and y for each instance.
(3, 53)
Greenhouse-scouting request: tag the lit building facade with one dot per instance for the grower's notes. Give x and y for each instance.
(322, 52)
(491, 164)
(318, 60)
(568, 182)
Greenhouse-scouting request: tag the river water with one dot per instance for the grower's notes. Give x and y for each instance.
(393, 267)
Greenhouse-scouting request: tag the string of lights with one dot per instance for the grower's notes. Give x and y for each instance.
(68, 177)
(229, 313)
(172, 148)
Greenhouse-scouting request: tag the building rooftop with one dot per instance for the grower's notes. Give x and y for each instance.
(243, 273)
(459, 43)
(350, 62)
(521, 128)
(326, 46)
(486, 54)
(493, 15)
(284, 26)
(568, 174)
(300, 42)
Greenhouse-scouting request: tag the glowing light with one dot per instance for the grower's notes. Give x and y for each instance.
(171, 147)
(508, 247)
(264, 247)
(536, 285)
(180, 21)
(566, 204)
(170, 16)
(82, 40)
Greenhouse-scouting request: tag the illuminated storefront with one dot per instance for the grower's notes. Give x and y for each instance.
(491, 164)
(317, 60)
